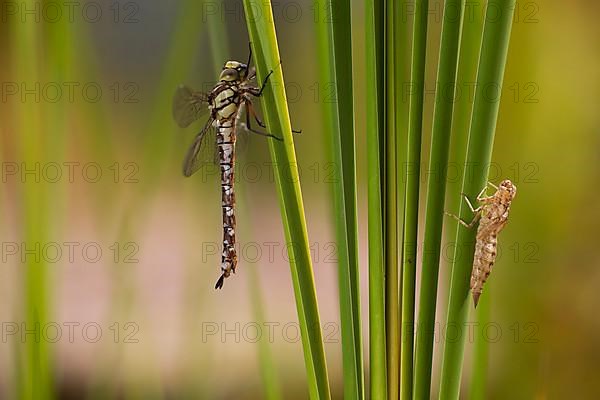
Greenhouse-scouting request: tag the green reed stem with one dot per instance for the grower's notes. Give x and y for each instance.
(374, 29)
(411, 204)
(259, 18)
(392, 293)
(481, 351)
(35, 379)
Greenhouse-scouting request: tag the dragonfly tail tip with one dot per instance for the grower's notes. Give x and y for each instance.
(219, 283)
(476, 299)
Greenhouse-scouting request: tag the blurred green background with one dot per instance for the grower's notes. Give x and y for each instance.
(115, 254)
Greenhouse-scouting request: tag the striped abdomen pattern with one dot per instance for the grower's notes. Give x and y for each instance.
(226, 106)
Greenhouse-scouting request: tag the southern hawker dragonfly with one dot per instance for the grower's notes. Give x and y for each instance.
(229, 99)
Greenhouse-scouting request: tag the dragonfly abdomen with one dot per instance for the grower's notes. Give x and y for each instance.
(485, 256)
(226, 146)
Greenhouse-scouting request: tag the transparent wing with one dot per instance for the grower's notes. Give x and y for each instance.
(188, 105)
(202, 152)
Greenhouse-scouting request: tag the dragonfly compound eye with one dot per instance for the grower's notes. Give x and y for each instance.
(230, 74)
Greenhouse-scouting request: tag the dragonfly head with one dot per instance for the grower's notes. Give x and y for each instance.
(234, 71)
(507, 189)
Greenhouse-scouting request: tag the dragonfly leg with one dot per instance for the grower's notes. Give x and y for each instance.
(474, 210)
(262, 124)
(250, 110)
(264, 84)
(462, 222)
(256, 92)
(258, 120)
(492, 185)
(481, 197)
(249, 56)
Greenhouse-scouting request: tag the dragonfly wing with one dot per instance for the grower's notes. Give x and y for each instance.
(202, 151)
(189, 105)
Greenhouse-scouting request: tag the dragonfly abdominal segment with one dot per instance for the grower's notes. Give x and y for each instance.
(492, 215)
(226, 144)
(227, 101)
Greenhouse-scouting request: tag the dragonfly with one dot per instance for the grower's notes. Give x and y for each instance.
(492, 215)
(228, 100)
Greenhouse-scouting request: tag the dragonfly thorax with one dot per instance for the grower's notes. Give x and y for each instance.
(225, 102)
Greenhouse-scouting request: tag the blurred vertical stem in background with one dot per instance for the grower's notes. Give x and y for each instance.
(261, 28)
(411, 204)
(436, 186)
(271, 387)
(335, 36)
(36, 375)
(490, 73)
(177, 66)
(375, 106)
(392, 300)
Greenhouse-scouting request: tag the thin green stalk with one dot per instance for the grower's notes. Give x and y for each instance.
(337, 67)
(268, 371)
(494, 49)
(411, 204)
(157, 144)
(436, 186)
(259, 18)
(375, 103)
(36, 376)
(477, 389)
(219, 43)
(392, 299)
